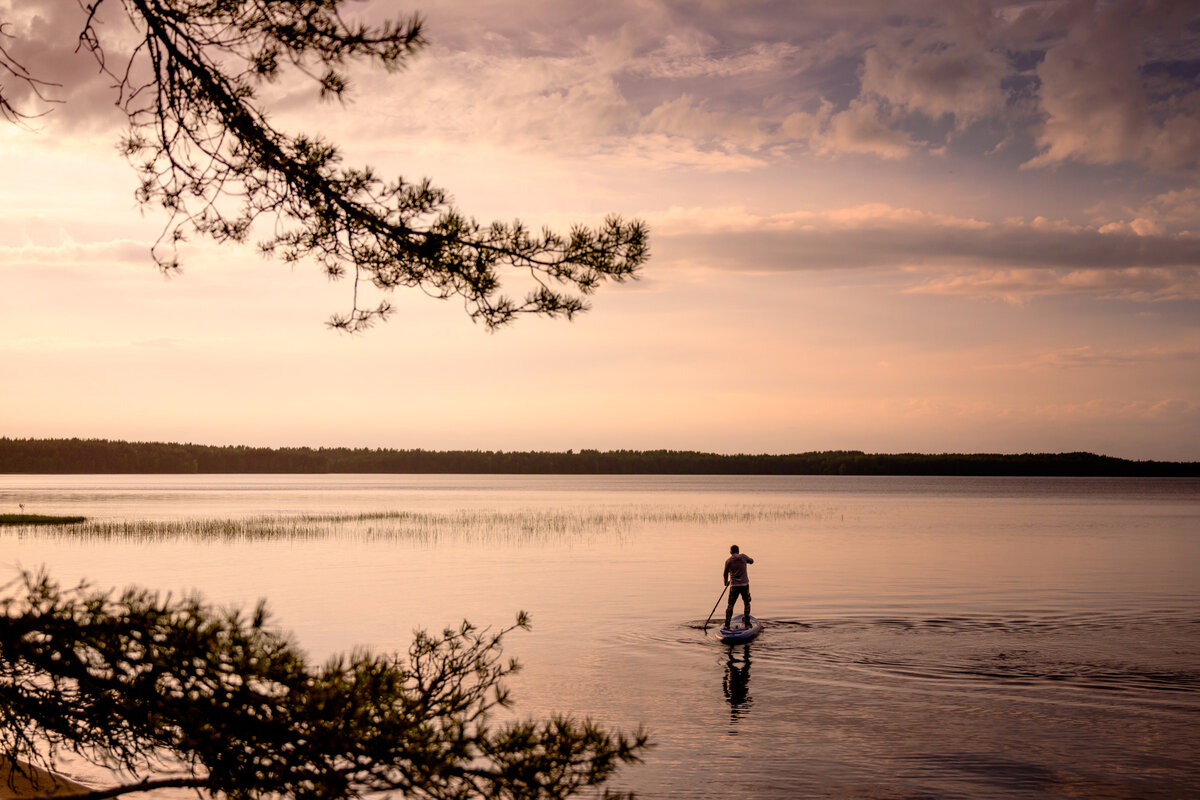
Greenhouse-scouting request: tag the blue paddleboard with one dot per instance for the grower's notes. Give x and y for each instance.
(739, 631)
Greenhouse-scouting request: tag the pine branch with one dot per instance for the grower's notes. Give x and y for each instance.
(209, 157)
(138, 680)
(146, 785)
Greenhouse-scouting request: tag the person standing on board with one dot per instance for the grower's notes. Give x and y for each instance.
(738, 581)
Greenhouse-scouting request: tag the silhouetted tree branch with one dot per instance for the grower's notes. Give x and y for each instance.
(208, 156)
(214, 700)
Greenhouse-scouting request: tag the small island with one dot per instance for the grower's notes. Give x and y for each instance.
(38, 519)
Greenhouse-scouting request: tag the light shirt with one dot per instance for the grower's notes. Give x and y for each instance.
(735, 568)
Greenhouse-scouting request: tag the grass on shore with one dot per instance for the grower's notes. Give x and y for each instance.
(38, 519)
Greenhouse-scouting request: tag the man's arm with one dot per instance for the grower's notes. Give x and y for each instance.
(725, 573)
(749, 560)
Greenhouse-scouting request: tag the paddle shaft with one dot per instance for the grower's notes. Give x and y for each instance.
(715, 607)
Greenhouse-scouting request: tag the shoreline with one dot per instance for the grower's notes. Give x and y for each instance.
(105, 457)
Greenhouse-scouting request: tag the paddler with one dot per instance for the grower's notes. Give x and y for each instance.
(738, 581)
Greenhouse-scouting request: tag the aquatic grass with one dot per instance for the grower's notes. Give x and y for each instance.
(483, 525)
(39, 519)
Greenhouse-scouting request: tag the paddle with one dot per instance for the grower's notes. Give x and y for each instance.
(714, 608)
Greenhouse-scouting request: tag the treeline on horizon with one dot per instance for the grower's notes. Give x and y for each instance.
(102, 456)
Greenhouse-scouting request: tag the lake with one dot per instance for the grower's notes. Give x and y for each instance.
(924, 637)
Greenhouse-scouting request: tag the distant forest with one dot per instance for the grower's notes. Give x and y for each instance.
(83, 456)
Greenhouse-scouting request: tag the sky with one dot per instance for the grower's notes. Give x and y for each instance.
(902, 226)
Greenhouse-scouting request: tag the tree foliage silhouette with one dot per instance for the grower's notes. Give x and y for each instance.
(207, 154)
(180, 694)
(102, 456)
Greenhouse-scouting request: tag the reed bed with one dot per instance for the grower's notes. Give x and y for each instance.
(485, 525)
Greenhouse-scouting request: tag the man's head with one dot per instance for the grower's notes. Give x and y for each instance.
(733, 549)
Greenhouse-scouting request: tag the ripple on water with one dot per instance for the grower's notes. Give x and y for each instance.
(1136, 659)
(973, 706)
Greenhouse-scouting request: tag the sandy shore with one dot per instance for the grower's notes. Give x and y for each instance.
(34, 782)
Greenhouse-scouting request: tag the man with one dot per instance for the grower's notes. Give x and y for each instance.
(738, 581)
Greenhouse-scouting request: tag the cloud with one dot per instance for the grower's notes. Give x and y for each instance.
(1015, 259)
(1021, 285)
(1166, 410)
(1118, 412)
(1176, 211)
(43, 37)
(859, 129)
(1094, 90)
(662, 152)
(954, 69)
(686, 116)
(878, 234)
(1089, 356)
(1094, 83)
(677, 59)
(485, 95)
(68, 253)
(570, 106)
(695, 78)
(1081, 81)
(1069, 420)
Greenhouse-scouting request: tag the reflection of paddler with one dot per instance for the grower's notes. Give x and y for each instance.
(26, 780)
(737, 682)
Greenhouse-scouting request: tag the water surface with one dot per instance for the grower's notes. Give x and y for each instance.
(925, 637)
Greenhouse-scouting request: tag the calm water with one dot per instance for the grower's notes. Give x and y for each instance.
(925, 638)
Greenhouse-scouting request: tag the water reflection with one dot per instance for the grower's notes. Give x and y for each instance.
(736, 684)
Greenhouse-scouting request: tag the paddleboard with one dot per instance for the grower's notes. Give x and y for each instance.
(739, 631)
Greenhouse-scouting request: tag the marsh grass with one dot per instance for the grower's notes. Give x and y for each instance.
(484, 525)
(38, 519)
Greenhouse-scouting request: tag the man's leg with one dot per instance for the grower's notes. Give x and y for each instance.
(746, 597)
(734, 593)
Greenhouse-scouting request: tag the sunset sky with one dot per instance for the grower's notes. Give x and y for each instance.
(883, 226)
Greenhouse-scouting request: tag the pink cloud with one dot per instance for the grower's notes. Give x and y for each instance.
(1014, 260)
(1089, 356)
(687, 116)
(1021, 285)
(860, 129)
(950, 69)
(119, 251)
(44, 39)
(1094, 96)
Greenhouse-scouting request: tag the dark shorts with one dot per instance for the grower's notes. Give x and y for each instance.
(734, 591)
